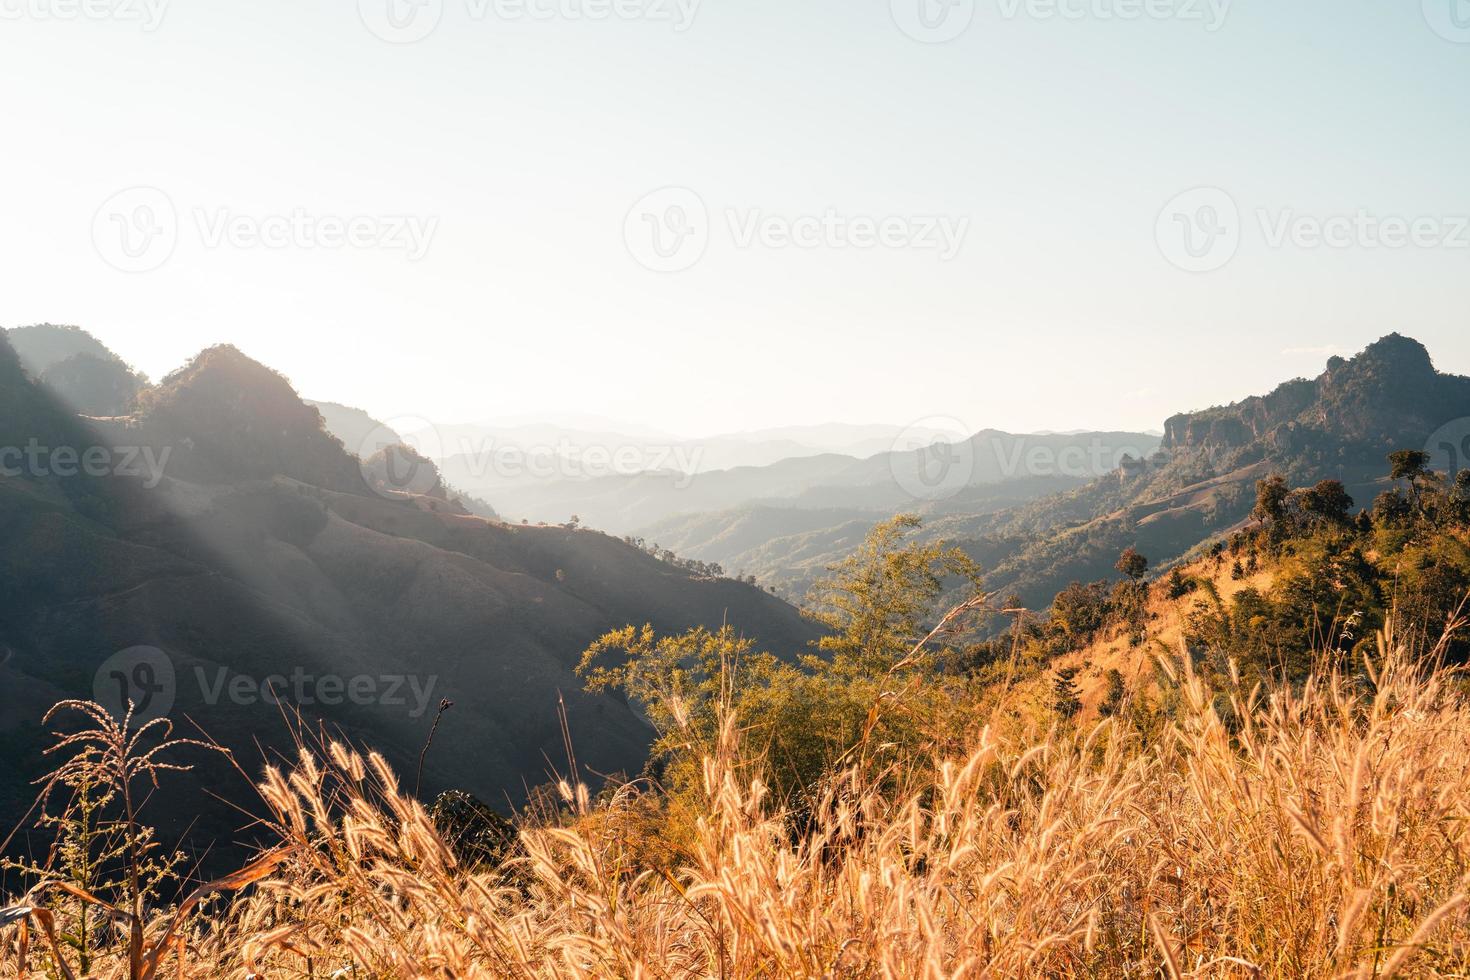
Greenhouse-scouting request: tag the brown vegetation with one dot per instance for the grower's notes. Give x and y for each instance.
(1325, 835)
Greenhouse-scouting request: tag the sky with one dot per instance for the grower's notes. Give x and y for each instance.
(717, 215)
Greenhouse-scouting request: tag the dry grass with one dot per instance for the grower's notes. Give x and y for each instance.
(1325, 837)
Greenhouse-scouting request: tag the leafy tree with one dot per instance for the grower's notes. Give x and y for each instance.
(677, 680)
(480, 837)
(802, 720)
(1116, 691)
(1411, 465)
(1459, 498)
(1328, 502)
(1080, 611)
(1066, 700)
(1271, 496)
(1391, 509)
(1132, 564)
(1179, 586)
(879, 602)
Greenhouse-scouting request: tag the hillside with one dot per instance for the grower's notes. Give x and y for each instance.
(1340, 425)
(1115, 650)
(1036, 534)
(789, 546)
(358, 431)
(691, 512)
(42, 346)
(245, 544)
(77, 368)
(366, 437)
(1305, 587)
(1103, 799)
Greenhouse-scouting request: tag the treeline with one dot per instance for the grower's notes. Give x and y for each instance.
(1338, 576)
(704, 569)
(897, 678)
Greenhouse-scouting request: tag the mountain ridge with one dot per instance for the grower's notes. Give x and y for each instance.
(262, 551)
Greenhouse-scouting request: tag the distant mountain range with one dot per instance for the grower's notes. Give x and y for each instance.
(1034, 537)
(75, 367)
(221, 530)
(214, 531)
(588, 450)
(895, 479)
(1340, 425)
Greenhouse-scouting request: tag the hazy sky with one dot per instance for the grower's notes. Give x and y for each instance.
(453, 229)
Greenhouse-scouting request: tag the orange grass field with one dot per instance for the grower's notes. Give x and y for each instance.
(1325, 837)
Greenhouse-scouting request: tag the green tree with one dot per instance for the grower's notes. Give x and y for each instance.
(1328, 502)
(1179, 586)
(1271, 496)
(801, 721)
(1411, 465)
(880, 602)
(1080, 611)
(1117, 690)
(1066, 700)
(1132, 564)
(1460, 497)
(1391, 509)
(678, 681)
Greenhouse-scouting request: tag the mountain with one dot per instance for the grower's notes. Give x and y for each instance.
(221, 543)
(787, 543)
(860, 441)
(1037, 527)
(516, 453)
(42, 346)
(1340, 425)
(789, 547)
(621, 503)
(519, 456)
(77, 368)
(905, 478)
(371, 440)
(358, 431)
